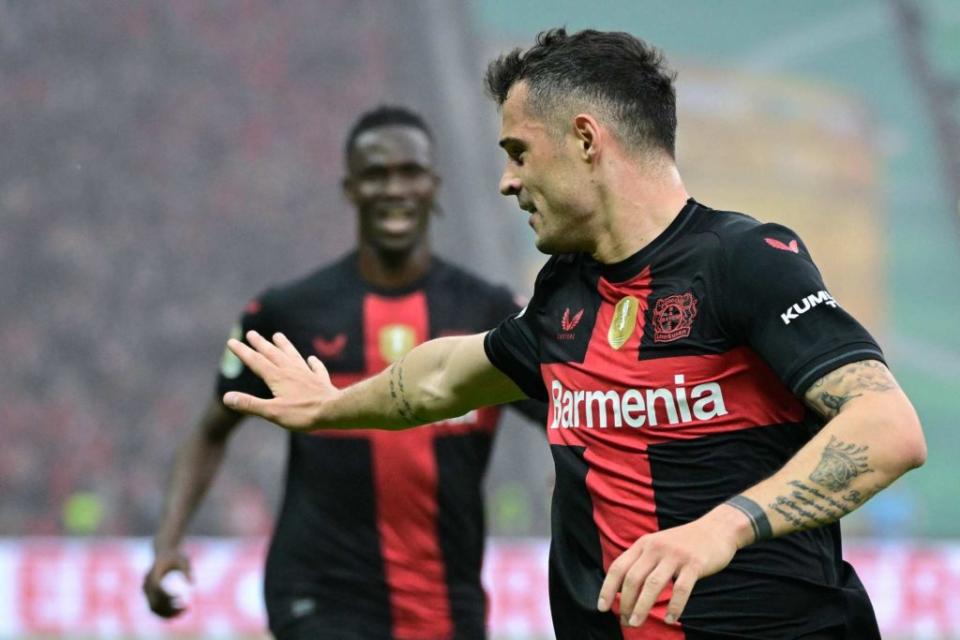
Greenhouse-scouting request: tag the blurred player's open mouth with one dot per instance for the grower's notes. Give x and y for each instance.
(396, 220)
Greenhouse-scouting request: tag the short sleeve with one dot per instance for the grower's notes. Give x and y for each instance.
(775, 300)
(513, 348)
(504, 303)
(233, 375)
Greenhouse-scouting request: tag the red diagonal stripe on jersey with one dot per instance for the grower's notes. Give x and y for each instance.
(405, 481)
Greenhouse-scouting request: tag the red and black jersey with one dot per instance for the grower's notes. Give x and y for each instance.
(674, 380)
(381, 533)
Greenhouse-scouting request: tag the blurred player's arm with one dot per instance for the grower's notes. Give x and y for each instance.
(196, 464)
(439, 379)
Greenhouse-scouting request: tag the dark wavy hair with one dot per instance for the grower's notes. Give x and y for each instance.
(622, 78)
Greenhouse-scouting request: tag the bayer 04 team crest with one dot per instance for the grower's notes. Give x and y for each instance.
(673, 317)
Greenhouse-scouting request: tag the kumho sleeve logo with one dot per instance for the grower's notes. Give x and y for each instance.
(808, 302)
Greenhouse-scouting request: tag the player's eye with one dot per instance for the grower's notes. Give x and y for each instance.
(373, 174)
(411, 171)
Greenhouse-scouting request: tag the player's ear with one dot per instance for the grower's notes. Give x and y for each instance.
(589, 136)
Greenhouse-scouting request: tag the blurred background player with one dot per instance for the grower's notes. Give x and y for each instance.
(380, 535)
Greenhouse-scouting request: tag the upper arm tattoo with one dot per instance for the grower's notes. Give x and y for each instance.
(829, 394)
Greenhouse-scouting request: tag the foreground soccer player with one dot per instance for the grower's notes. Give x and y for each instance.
(713, 410)
(381, 534)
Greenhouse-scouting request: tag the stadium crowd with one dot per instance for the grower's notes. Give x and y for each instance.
(145, 147)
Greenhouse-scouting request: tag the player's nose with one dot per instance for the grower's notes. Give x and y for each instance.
(509, 184)
(396, 185)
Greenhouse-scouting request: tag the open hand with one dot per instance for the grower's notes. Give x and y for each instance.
(300, 387)
(682, 555)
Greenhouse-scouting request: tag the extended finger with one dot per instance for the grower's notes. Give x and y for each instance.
(284, 344)
(251, 358)
(633, 582)
(251, 405)
(656, 580)
(266, 348)
(682, 588)
(318, 368)
(611, 583)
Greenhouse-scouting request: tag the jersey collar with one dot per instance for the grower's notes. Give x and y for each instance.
(630, 267)
(353, 259)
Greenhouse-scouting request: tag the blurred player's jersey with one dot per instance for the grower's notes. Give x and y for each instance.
(381, 533)
(674, 380)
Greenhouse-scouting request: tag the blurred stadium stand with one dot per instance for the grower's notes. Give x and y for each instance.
(161, 163)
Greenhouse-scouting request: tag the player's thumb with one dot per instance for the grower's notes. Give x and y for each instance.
(244, 403)
(317, 367)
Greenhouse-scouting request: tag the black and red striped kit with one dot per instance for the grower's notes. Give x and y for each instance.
(381, 533)
(675, 381)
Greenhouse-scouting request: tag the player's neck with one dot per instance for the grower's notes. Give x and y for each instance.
(636, 208)
(393, 271)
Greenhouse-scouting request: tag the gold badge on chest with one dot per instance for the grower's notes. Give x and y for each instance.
(623, 322)
(395, 341)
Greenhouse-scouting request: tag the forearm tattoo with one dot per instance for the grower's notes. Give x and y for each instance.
(827, 496)
(399, 393)
(753, 511)
(830, 393)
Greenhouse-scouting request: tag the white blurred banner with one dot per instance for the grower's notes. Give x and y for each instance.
(66, 588)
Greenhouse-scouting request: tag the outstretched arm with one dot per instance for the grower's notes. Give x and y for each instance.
(197, 462)
(873, 437)
(439, 379)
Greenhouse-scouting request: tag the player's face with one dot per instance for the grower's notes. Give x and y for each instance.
(391, 182)
(544, 174)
